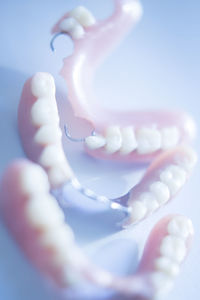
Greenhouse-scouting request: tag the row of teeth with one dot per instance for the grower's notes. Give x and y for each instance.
(173, 250)
(171, 180)
(45, 216)
(78, 19)
(44, 117)
(126, 140)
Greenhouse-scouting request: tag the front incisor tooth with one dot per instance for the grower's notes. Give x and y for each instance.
(94, 142)
(129, 142)
(160, 191)
(83, 16)
(139, 211)
(48, 134)
(174, 248)
(113, 139)
(180, 226)
(33, 180)
(42, 84)
(73, 27)
(149, 140)
(167, 266)
(170, 137)
(149, 201)
(174, 177)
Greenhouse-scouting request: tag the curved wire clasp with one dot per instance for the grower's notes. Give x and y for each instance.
(54, 38)
(81, 140)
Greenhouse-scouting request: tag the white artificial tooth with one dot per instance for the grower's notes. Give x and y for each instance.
(83, 16)
(76, 184)
(59, 174)
(139, 211)
(48, 134)
(95, 142)
(149, 140)
(129, 142)
(162, 283)
(167, 266)
(170, 137)
(174, 177)
(188, 161)
(160, 191)
(180, 226)
(34, 180)
(113, 139)
(52, 156)
(43, 212)
(42, 84)
(174, 248)
(149, 201)
(135, 9)
(44, 111)
(71, 26)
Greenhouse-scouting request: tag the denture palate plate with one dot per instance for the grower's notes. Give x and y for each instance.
(165, 181)
(172, 252)
(127, 140)
(78, 19)
(48, 136)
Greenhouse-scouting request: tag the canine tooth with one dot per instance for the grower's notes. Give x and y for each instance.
(44, 111)
(170, 137)
(149, 140)
(95, 141)
(83, 16)
(160, 191)
(71, 26)
(51, 156)
(43, 212)
(174, 177)
(149, 201)
(48, 134)
(42, 84)
(162, 284)
(59, 174)
(173, 247)
(167, 266)
(113, 139)
(139, 211)
(34, 180)
(129, 142)
(180, 226)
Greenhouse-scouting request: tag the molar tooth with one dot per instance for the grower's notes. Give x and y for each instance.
(113, 139)
(34, 180)
(71, 26)
(42, 84)
(139, 211)
(174, 177)
(170, 137)
(51, 156)
(160, 191)
(149, 140)
(129, 142)
(149, 201)
(180, 226)
(48, 134)
(95, 142)
(44, 111)
(173, 247)
(83, 16)
(43, 212)
(167, 266)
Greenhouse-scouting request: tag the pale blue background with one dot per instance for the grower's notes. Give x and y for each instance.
(157, 66)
